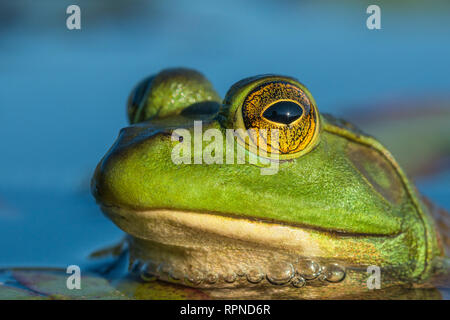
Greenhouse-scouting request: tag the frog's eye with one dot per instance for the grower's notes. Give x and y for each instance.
(278, 115)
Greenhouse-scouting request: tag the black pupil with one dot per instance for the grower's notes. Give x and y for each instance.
(284, 112)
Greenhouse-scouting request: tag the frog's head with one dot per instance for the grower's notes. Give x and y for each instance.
(337, 200)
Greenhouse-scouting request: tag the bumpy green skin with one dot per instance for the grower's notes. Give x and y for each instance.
(348, 189)
(168, 93)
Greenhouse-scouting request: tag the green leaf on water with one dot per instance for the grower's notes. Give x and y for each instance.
(53, 285)
(13, 293)
(158, 290)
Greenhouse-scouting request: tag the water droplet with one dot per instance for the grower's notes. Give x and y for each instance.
(308, 269)
(280, 273)
(323, 274)
(298, 282)
(334, 273)
(255, 276)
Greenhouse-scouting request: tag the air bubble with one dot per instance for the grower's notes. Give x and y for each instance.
(334, 273)
(163, 270)
(240, 272)
(280, 273)
(194, 277)
(211, 278)
(308, 269)
(298, 282)
(147, 272)
(255, 276)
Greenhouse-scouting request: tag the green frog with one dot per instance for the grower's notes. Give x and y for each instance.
(260, 195)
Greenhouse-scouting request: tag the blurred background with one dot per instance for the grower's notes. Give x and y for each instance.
(63, 92)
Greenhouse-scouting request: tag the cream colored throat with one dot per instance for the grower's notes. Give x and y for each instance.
(207, 250)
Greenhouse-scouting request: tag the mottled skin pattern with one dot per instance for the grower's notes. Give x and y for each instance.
(342, 199)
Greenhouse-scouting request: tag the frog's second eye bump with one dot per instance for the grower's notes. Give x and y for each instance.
(267, 105)
(170, 93)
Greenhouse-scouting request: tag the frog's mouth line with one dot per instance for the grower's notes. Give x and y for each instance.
(210, 246)
(185, 215)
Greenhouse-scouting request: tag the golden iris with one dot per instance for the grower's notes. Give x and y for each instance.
(282, 106)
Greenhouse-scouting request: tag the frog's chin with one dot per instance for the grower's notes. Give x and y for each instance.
(214, 251)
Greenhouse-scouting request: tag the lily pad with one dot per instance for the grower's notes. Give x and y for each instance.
(158, 290)
(53, 285)
(13, 293)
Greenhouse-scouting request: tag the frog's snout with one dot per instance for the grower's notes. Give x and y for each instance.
(120, 176)
(102, 188)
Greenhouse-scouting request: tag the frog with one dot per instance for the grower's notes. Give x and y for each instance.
(337, 216)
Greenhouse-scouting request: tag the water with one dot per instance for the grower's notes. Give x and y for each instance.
(63, 93)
